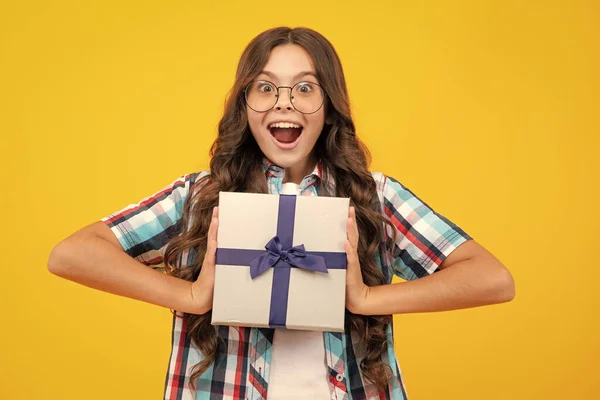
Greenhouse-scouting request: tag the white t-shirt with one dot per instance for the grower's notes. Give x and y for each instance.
(298, 365)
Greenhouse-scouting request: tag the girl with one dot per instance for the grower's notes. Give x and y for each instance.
(287, 123)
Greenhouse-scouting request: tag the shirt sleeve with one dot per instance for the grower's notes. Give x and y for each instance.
(424, 238)
(144, 228)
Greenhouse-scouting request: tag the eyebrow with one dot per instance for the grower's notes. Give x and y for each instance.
(303, 73)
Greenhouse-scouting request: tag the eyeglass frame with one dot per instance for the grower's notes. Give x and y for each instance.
(277, 95)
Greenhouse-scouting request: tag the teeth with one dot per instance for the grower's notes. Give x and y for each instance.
(284, 125)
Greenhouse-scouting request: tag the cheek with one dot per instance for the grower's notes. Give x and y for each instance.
(316, 123)
(254, 122)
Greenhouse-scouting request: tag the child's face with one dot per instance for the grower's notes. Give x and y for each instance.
(287, 145)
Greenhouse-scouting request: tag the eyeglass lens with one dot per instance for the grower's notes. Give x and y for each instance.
(306, 97)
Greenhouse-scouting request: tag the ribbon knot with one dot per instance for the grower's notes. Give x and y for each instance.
(295, 256)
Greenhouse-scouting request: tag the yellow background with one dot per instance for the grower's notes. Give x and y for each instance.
(487, 110)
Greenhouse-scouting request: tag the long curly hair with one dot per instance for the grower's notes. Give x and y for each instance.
(237, 166)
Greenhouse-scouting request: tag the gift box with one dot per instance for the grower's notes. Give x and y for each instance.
(280, 262)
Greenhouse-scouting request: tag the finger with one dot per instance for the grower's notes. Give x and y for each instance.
(211, 245)
(352, 228)
(351, 256)
(214, 225)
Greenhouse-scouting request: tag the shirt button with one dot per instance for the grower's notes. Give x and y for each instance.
(339, 377)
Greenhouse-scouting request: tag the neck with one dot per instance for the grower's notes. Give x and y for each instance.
(297, 172)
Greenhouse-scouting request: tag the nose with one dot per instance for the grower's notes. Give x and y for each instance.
(284, 100)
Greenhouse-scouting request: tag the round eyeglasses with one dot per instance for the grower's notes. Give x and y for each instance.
(305, 97)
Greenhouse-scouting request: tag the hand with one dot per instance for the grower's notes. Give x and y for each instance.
(356, 290)
(202, 289)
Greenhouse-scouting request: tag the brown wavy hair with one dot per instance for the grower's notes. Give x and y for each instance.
(237, 166)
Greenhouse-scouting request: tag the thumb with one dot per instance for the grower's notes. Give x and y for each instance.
(352, 257)
(211, 245)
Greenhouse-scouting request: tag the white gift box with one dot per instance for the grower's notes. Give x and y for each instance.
(282, 295)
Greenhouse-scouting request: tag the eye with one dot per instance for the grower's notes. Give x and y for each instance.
(265, 87)
(305, 87)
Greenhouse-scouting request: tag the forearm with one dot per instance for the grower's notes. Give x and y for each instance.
(464, 285)
(96, 263)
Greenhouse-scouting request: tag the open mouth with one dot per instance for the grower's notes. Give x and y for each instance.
(285, 133)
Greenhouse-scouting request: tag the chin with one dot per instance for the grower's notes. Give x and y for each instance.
(284, 160)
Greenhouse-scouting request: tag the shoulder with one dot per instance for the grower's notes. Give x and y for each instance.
(395, 197)
(389, 187)
(195, 177)
(196, 180)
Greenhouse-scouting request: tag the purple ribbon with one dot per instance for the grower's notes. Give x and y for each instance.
(295, 256)
(281, 256)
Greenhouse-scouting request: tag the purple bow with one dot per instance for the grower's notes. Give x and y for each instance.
(295, 256)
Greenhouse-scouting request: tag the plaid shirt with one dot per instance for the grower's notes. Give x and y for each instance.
(241, 369)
